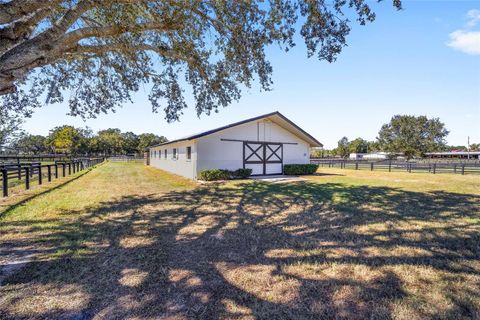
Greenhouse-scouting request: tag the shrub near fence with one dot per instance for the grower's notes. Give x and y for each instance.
(15, 174)
(472, 167)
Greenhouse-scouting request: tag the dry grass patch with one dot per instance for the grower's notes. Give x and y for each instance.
(128, 241)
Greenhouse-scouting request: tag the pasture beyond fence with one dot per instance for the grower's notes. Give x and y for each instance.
(125, 158)
(13, 158)
(14, 174)
(472, 167)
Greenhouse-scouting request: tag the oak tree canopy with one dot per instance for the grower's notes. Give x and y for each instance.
(413, 136)
(95, 54)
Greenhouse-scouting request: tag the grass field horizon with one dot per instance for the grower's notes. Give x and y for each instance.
(129, 241)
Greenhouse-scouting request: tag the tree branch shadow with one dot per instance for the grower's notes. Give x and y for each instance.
(297, 250)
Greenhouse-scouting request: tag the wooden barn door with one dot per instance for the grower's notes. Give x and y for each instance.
(273, 158)
(263, 157)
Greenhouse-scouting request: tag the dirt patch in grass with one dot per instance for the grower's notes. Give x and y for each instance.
(132, 242)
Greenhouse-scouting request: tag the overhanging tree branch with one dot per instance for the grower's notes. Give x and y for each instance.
(18, 9)
(99, 49)
(109, 31)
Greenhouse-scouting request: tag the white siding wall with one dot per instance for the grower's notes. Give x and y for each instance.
(180, 166)
(214, 153)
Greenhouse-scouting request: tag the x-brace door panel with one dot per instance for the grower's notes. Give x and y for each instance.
(263, 157)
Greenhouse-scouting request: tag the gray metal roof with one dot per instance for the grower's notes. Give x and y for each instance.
(453, 153)
(316, 143)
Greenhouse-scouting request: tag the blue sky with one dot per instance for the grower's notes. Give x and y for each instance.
(424, 60)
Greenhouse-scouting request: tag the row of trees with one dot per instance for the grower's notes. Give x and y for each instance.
(408, 135)
(359, 145)
(473, 147)
(75, 141)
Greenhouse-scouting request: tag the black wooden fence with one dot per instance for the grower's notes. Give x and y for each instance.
(472, 167)
(13, 158)
(15, 174)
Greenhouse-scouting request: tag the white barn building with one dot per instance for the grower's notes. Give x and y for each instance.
(263, 144)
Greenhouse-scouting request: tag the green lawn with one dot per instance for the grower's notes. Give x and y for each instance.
(129, 241)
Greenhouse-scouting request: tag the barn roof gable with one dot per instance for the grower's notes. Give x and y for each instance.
(276, 117)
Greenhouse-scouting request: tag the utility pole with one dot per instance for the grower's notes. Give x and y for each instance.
(468, 147)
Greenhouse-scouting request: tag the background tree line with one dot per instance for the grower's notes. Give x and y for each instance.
(408, 135)
(77, 141)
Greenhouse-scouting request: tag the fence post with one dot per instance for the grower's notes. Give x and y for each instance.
(27, 178)
(5, 182)
(463, 168)
(63, 166)
(390, 166)
(39, 174)
(69, 168)
(19, 171)
(356, 165)
(434, 168)
(455, 168)
(371, 166)
(49, 172)
(56, 170)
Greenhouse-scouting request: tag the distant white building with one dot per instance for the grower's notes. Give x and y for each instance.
(454, 155)
(263, 144)
(369, 156)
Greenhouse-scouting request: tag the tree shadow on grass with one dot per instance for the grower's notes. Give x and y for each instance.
(257, 250)
(24, 196)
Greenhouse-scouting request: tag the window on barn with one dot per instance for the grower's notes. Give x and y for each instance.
(155, 153)
(174, 153)
(189, 153)
(165, 152)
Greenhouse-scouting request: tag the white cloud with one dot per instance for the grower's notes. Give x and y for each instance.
(473, 17)
(465, 41)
